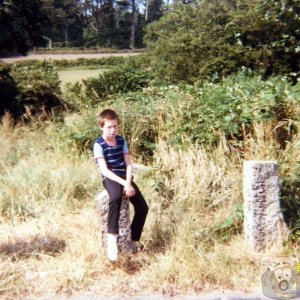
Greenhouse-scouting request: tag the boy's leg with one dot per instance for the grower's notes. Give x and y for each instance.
(115, 191)
(140, 213)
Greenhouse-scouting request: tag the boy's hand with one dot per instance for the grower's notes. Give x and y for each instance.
(129, 190)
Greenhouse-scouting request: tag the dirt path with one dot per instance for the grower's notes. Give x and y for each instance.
(64, 56)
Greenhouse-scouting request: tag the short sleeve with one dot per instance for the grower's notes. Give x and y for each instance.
(125, 148)
(98, 151)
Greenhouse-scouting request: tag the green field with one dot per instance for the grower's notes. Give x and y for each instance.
(71, 76)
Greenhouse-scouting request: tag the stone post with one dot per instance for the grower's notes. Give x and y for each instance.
(264, 226)
(124, 237)
(102, 200)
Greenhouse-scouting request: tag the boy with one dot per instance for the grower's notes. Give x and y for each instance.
(113, 159)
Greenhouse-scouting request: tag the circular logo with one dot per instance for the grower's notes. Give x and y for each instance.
(284, 285)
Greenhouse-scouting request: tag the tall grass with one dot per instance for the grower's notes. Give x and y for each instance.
(37, 176)
(193, 235)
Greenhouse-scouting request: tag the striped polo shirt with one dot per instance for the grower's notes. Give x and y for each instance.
(114, 155)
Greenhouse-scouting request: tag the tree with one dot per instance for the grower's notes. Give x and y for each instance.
(153, 10)
(66, 21)
(22, 25)
(133, 24)
(216, 38)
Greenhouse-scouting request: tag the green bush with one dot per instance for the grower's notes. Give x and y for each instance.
(38, 87)
(125, 78)
(90, 63)
(217, 38)
(138, 123)
(230, 108)
(78, 132)
(197, 114)
(8, 93)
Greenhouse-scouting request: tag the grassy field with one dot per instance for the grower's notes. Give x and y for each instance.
(49, 234)
(193, 236)
(73, 75)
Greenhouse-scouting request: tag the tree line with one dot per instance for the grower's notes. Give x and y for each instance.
(74, 23)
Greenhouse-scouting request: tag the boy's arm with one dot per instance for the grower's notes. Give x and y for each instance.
(128, 188)
(128, 168)
(108, 173)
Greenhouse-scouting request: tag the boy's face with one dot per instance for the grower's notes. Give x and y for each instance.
(110, 128)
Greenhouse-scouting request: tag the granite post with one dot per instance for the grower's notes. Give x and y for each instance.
(124, 237)
(264, 226)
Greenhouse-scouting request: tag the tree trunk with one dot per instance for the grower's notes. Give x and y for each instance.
(133, 25)
(147, 10)
(66, 36)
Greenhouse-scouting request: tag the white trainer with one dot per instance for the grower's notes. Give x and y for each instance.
(112, 246)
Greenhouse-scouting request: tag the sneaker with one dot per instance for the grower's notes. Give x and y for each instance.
(136, 246)
(112, 247)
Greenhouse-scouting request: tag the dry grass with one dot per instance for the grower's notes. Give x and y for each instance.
(49, 236)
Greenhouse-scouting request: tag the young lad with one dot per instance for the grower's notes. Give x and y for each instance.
(113, 159)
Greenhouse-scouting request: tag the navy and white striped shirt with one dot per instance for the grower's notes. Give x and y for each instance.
(113, 155)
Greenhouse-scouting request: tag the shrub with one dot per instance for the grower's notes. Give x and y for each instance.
(122, 79)
(230, 109)
(202, 114)
(217, 38)
(78, 132)
(8, 93)
(38, 87)
(89, 63)
(138, 123)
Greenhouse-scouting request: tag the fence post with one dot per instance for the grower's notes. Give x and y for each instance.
(264, 226)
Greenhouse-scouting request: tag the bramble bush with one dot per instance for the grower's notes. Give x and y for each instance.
(78, 132)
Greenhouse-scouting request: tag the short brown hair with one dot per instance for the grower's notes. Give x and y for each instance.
(107, 114)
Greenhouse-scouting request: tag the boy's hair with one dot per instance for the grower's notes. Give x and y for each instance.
(107, 114)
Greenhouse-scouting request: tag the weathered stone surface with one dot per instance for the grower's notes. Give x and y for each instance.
(124, 237)
(264, 226)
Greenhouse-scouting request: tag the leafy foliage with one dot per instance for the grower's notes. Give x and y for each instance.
(230, 109)
(21, 26)
(216, 38)
(77, 63)
(8, 92)
(39, 87)
(32, 89)
(78, 132)
(122, 79)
